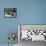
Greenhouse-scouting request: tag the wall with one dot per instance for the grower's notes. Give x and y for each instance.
(7, 25)
(28, 12)
(33, 12)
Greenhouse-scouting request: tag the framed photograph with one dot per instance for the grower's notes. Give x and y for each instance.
(10, 12)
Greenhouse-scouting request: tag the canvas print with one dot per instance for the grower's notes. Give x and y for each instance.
(10, 12)
(33, 32)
